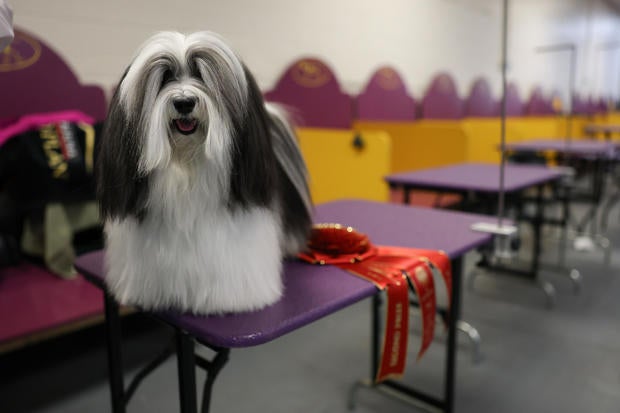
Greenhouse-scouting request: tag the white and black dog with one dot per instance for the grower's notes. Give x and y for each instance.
(201, 184)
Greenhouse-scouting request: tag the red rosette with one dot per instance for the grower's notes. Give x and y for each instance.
(388, 268)
(335, 244)
(336, 239)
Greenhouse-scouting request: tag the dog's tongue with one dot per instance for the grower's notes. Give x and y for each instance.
(185, 125)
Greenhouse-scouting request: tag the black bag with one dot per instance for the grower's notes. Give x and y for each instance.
(53, 163)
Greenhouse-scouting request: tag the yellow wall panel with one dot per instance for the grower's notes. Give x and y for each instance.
(421, 144)
(483, 139)
(610, 118)
(339, 170)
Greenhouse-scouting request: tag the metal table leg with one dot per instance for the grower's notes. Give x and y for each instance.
(115, 359)
(186, 364)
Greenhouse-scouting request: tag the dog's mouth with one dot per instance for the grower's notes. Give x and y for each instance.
(185, 126)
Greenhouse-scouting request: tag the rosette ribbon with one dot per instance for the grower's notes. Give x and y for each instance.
(390, 269)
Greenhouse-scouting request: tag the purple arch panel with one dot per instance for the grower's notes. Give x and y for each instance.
(441, 100)
(538, 104)
(602, 105)
(514, 104)
(35, 79)
(480, 102)
(311, 90)
(580, 105)
(385, 98)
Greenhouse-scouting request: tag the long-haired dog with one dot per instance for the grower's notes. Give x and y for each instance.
(201, 184)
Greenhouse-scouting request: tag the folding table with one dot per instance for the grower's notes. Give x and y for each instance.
(606, 129)
(311, 292)
(479, 185)
(599, 154)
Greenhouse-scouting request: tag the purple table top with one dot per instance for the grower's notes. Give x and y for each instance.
(312, 292)
(475, 177)
(574, 147)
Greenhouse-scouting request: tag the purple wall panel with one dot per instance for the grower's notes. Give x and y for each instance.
(311, 91)
(538, 104)
(34, 79)
(385, 98)
(514, 104)
(441, 100)
(480, 102)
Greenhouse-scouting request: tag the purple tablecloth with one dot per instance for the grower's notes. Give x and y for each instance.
(475, 177)
(312, 292)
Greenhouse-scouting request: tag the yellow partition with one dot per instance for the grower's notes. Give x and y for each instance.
(612, 118)
(484, 134)
(431, 143)
(339, 169)
(483, 137)
(421, 144)
(533, 127)
(609, 118)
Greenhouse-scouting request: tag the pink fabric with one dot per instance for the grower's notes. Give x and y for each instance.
(29, 122)
(36, 300)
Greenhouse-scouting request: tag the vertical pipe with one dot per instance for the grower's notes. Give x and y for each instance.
(501, 200)
(571, 93)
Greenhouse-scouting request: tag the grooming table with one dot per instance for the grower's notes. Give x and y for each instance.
(311, 292)
(479, 185)
(606, 129)
(599, 155)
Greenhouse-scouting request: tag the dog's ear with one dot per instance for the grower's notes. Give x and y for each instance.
(254, 167)
(121, 189)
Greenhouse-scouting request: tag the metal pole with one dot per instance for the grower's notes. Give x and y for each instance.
(501, 200)
(572, 48)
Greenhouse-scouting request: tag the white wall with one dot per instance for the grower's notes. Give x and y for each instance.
(419, 37)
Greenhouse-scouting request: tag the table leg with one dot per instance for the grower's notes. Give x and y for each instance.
(406, 195)
(398, 389)
(186, 364)
(537, 227)
(115, 359)
(455, 313)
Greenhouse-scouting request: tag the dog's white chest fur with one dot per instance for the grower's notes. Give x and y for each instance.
(192, 253)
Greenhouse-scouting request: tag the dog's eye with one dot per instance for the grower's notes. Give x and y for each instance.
(196, 72)
(167, 77)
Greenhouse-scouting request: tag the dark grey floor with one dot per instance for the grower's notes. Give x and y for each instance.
(534, 360)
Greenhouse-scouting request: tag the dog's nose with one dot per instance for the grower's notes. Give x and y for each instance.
(184, 106)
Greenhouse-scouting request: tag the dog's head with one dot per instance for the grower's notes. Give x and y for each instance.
(184, 98)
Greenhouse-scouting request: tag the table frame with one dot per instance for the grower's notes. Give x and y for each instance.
(537, 220)
(187, 359)
(601, 157)
(184, 340)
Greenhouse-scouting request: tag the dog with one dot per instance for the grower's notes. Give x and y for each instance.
(201, 184)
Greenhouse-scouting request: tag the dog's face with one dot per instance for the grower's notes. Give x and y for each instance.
(187, 100)
(188, 91)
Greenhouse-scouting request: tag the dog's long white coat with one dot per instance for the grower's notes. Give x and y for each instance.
(195, 248)
(201, 258)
